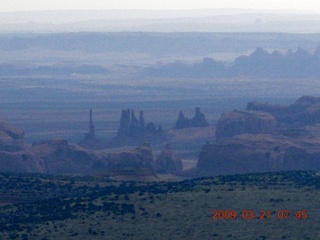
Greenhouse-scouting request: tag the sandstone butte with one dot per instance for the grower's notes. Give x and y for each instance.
(264, 138)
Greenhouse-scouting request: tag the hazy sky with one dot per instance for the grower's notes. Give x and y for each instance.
(23, 5)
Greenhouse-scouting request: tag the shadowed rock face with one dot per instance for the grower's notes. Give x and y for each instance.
(240, 122)
(61, 158)
(124, 123)
(259, 153)
(242, 154)
(300, 159)
(168, 162)
(133, 131)
(22, 161)
(130, 125)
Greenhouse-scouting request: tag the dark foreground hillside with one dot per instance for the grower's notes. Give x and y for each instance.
(281, 205)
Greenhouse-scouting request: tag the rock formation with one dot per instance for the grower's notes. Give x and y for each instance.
(90, 140)
(22, 161)
(11, 138)
(124, 123)
(199, 120)
(7, 131)
(141, 158)
(15, 155)
(129, 124)
(259, 153)
(240, 122)
(134, 132)
(60, 157)
(265, 138)
(92, 133)
(168, 162)
(305, 111)
(134, 126)
(266, 118)
(242, 154)
(142, 124)
(182, 121)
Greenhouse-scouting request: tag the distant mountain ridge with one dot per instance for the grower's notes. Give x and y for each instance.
(202, 20)
(260, 63)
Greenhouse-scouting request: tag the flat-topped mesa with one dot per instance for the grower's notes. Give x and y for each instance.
(249, 153)
(305, 111)
(199, 120)
(301, 105)
(264, 107)
(307, 100)
(242, 122)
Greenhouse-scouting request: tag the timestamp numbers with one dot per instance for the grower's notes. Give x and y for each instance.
(263, 214)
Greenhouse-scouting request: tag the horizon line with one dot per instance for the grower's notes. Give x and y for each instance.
(170, 10)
